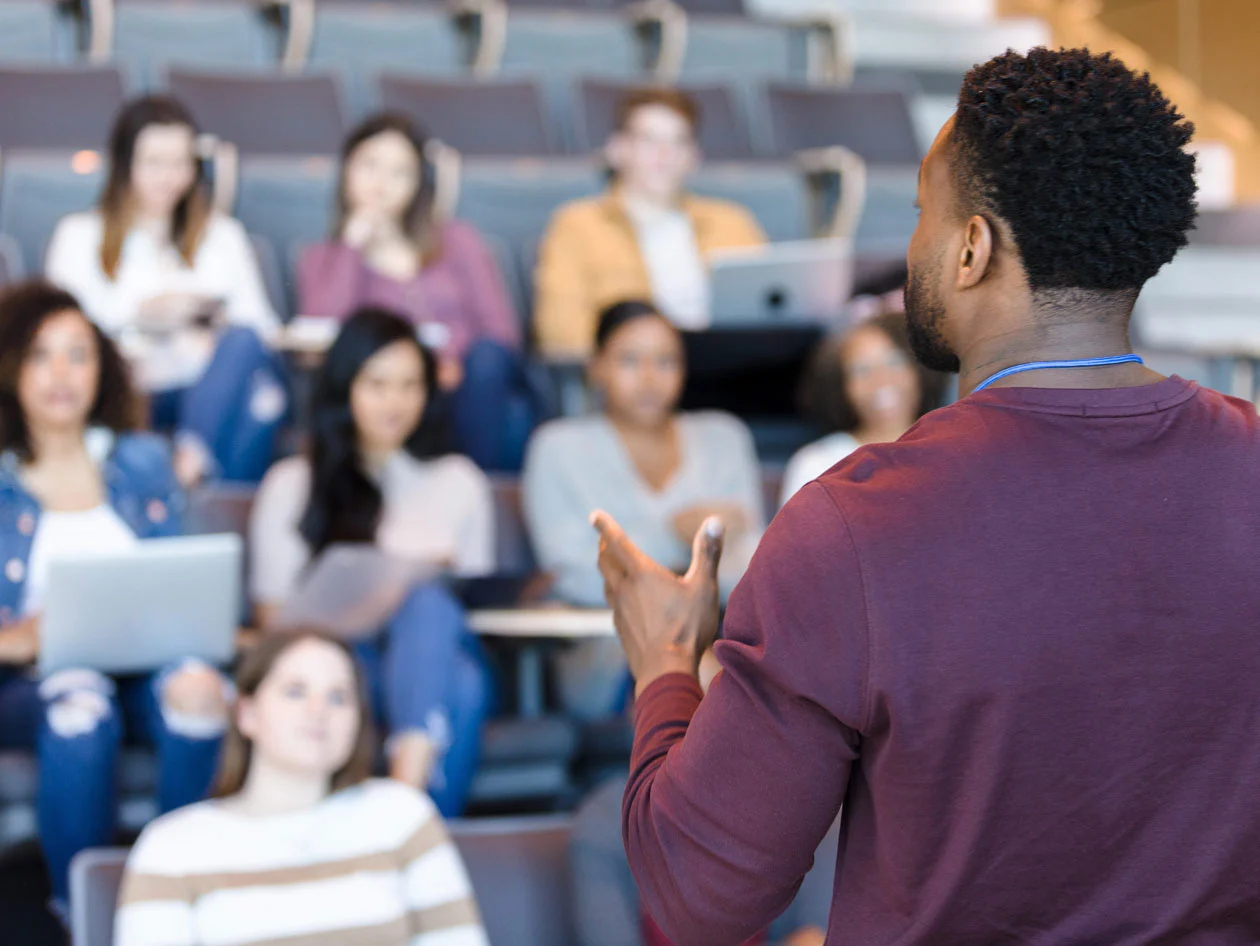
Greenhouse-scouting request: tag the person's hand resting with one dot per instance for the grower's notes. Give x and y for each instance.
(172, 311)
(665, 621)
(19, 642)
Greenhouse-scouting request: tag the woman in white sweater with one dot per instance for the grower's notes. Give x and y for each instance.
(657, 471)
(178, 285)
(299, 845)
(373, 478)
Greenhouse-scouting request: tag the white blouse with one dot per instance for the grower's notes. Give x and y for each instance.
(224, 267)
(437, 511)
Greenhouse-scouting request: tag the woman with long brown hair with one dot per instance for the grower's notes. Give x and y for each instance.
(391, 247)
(178, 285)
(299, 843)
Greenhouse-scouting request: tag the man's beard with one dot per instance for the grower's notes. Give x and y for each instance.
(925, 313)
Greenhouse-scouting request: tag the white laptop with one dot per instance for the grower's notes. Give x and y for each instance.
(794, 282)
(140, 609)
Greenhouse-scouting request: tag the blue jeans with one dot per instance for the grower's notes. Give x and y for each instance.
(494, 410)
(426, 672)
(78, 760)
(235, 410)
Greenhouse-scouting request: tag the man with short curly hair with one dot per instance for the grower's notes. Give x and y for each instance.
(1019, 644)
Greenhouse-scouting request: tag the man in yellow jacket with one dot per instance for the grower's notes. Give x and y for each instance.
(644, 238)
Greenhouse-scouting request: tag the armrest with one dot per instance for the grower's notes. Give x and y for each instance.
(670, 21)
(821, 165)
(490, 18)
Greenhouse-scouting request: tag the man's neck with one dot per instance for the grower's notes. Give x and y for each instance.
(56, 444)
(1071, 341)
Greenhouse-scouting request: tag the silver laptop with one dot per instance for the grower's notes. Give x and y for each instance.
(798, 281)
(137, 610)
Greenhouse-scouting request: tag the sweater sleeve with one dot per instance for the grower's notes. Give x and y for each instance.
(247, 301)
(737, 479)
(277, 551)
(330, 280)
(559, 522)
(155, 904)
(442, 909)
(493, 315)
(564, 308)
(476, 544)
(73, 263)
(728, 799)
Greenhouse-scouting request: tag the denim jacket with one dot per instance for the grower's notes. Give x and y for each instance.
(140, 485)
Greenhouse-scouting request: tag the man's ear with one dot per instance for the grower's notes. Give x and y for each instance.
(976, 256)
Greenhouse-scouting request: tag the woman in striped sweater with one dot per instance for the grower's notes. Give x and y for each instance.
(299, 846)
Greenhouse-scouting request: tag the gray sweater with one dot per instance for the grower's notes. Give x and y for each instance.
(577, 465)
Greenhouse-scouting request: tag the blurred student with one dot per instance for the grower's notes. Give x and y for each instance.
(659, 471)
(644, 238)
(372, 476)
(860, 387)
(178, 284)
(76, 477)
(299, 845)
(390, 247)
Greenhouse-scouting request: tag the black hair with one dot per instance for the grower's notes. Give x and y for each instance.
(345, 502)
(824, 395)
(24, 307)
(612, 318)
(1084, 159)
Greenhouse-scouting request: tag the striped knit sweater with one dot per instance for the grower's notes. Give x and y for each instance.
(369, 866)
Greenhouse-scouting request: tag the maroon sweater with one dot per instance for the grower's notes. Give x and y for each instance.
(1022, 646)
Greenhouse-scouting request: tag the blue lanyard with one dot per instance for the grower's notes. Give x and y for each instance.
(1038, 365)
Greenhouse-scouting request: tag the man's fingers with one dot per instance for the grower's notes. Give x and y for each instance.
(706, 549)
(612, 570)
(614, 545)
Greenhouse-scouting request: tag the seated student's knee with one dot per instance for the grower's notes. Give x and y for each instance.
(77, 703)
(193, 699)
(427, 607)
(472, 694)
(241, 343)
(488, 359)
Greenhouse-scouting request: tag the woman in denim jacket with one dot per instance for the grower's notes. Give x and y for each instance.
(74, 477)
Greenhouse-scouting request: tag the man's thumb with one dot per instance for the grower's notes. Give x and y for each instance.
(706, 548)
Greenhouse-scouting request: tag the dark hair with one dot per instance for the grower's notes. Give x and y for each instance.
(24, 307)
(345, 502)
(255, 667)
(612, 318)
(824, 394)
(193, 210)
(673, 99)
(1085, 160)
(419, 221)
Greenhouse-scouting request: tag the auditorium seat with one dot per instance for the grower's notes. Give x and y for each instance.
(58, 107)
(151, 35)
(35, 31)
(11, 267)
(559, 46)
(478, 118)
(519, 869)
(776, 194)
(875, 123)
(38, 188)
(273, 114)
(724, 133)
(288, 200)
(360, 41)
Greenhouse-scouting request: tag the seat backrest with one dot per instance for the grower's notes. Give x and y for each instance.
(875, 123)
(514, 199)
(35, 31)
(150, 35)
(776, 194)
(519, 868)
(361, 40)
(95, 877)
(11, 267)
(289, 200)
(1237, 227)
(58, 108)
(272, 114)
(497, 118)
(723, 132)
(38, 188)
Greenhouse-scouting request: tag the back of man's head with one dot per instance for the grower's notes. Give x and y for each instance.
(1085, 161)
